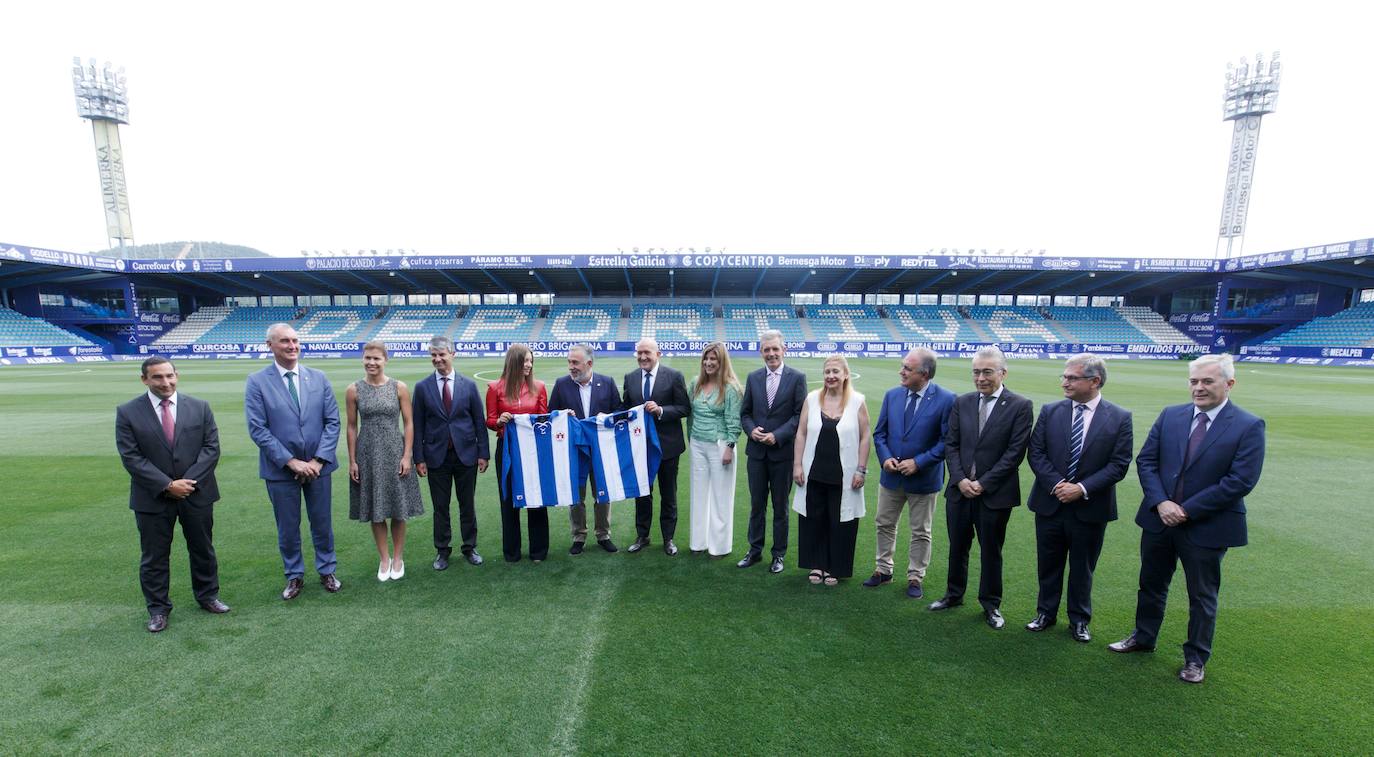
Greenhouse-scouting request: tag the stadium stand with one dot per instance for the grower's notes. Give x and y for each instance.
(690, 321)
(582, 323)
(248, 325)
(498, 323)
(416, 323)
(337, 324)
(930, 323)
(1016, 324)
(19, 330)
(847, 322)
(746, 322)
(1152, 325)
(194, 327)
(1352, 327)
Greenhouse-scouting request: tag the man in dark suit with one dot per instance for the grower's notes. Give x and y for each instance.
(988, 432)
(169, 443)
(586, 394)
(1079, 450)
(663, 392)
(293, 417)
(1197, 465)
(451, 439)
(910, 440)
(769, 414)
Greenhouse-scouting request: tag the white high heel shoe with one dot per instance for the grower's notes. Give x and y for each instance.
(384, 571)
(398, 570)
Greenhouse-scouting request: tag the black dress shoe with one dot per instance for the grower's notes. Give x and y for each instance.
(1191, 672)
(944, 603)
(157, 623)
(994, 618)
(877, 579)
(330, 583)
(1041, 622)
(441, 562)
(473, 558)
(607, 545)
(638, 544)
(1128, 645)
(1079, 632)
(749, 559)
(776, 566)
(576, 548)
(292, 590)
(214, 605)
(669, 548)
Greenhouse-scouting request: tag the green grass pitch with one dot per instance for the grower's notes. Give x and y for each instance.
(643, 653)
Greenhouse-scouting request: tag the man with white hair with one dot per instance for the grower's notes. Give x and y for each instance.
(663, 392)
(1197, 465)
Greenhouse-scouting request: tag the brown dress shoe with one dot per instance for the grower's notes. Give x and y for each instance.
(330, 583)
(214, 605)
(159, 622)
(1191, 673)
(292, 590)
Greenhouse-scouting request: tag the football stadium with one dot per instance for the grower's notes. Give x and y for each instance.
(615, 642)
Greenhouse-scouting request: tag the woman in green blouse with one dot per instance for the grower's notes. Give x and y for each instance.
(712, 431)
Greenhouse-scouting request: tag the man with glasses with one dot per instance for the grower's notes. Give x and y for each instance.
(1079, 450)
(988, 432)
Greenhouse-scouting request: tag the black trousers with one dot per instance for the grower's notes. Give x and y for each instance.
(667, 502)
(1159, 554)
(537, 518)
(1063, 538)
(823, 541)
(442, 480)
(765, 477)
(966, 518)
(155, 538)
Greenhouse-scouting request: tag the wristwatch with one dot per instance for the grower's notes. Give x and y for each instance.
(731, 445)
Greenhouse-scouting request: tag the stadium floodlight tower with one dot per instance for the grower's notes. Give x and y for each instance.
(103, 98)
(1251, 93)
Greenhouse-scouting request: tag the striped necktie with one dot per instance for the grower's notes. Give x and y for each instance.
(291, 386)
(1075, 442)
(772, 387)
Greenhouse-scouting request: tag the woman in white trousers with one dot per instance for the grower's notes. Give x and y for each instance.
(712, 431)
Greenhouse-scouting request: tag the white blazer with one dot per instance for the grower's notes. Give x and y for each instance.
(852, 501)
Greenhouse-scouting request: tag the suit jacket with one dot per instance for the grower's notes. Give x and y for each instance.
(1225, 469)
(465, 425)
(283, 432)
(670, 392)
(781, 420)
(1104, 461)
(605, 397)
(997, 453)
(153, 463)
(922, 441)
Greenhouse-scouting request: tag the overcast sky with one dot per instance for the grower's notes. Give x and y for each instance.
(574, 127)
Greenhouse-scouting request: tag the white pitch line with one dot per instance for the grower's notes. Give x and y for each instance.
(565, 733)
(48, 373)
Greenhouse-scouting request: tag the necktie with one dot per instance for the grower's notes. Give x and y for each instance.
(448, 395)
(1194, 441)
(1075, 442)
(909, 415)
(772, 387)
(983, 410)
(647, 376)
(291, 386)
(168, 425)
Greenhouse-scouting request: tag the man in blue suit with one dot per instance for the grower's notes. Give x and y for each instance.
(1079, 450)
(769, 414)
(910, 440)
(293, 417)
(1196, 467)
(586, 394)
(451, 438)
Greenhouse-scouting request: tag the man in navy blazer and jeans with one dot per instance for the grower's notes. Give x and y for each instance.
(1079, 451)
(451, 448)
(910, 440)
(586, 394)
(1197, 465)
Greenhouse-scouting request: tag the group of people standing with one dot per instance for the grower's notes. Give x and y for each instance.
(1195, 468)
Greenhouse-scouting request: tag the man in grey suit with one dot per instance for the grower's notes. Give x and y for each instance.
(769, 414)
(663, 393)
(170, 445)
(988, 433)
(293, 417)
